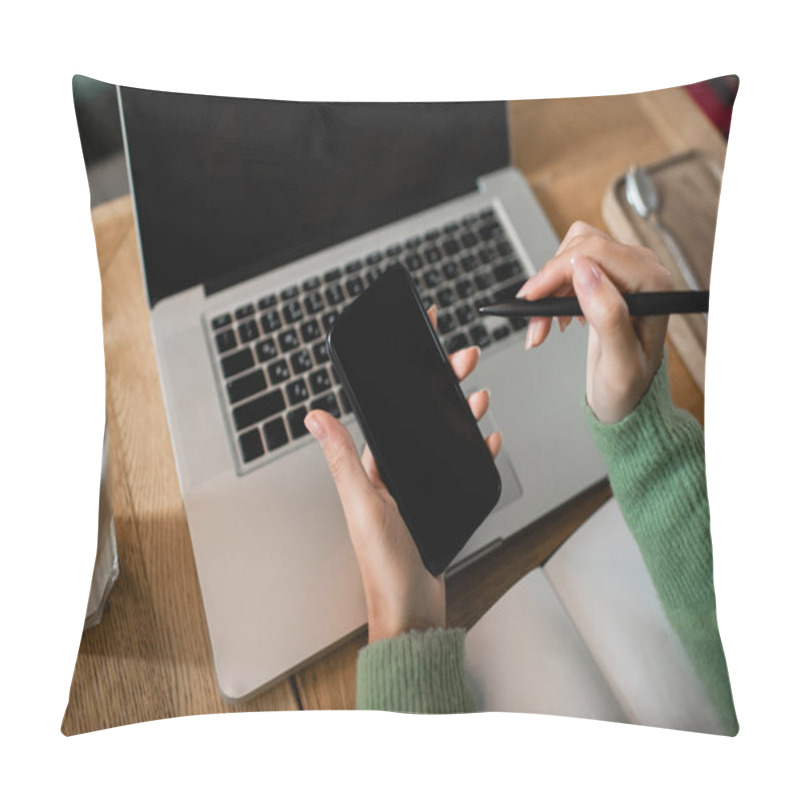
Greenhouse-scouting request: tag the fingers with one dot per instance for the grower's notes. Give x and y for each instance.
(432, 316)
(343, 459)
(494, 442)
(479, 403)
(605, 310)
(464, 361)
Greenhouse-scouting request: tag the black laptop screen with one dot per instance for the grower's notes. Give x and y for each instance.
(227, 188)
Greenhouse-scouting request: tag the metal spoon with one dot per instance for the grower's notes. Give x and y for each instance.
(643, 198)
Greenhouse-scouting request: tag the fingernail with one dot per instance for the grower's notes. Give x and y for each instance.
(586, 272)
(525, 286)
(531, 335)
(314, 428)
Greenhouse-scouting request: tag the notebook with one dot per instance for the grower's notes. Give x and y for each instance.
(586, 636)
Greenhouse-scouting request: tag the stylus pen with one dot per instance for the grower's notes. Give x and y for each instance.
(642, 304)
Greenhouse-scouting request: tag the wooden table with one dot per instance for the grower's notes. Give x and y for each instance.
(150, 656)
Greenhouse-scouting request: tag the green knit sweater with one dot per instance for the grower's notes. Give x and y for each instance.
(656, 464)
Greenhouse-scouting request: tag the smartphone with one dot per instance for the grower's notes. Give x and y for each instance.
(414, 417)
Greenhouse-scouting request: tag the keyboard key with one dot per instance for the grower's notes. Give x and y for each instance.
(445, 323)
(501, 332)
(394, 250)
(237, 362)
(484, 280)
(250, 445)
(450, 270)
(480, 336)
(334, 295)
(292, 312)
(267, 302)
(248, 331)
(296, 392)
(457, 342)
(487, 213)
(355, 286)
(263, 406)
(433, 254)
(354, 266)
(432, 278)
(270, 321)
(327, 403)
(333, 275)
(485, 255)
(413, 242)
(266, 349)
(314, 303)
(445, 297)
(451, 227)
(279, 371)
(469, 263)
(311, 283)
(221, 321)
(504, 247)
(319, 381)
(328, 320)
(450, 246)
(433, 234)
(465, 289)
(487, 232)
(288, 340)
(225, 341)
(301, 362)
(290, 292)
(344, 402)
(469, 239)
(310, 330)
(374, 258)
(246, 386)
(427, 301)
(275, 434)
(296, 420)
(413, 262)
(320, 351)
(508, 269)
(245, 311)
(373, 275)
(465, 315)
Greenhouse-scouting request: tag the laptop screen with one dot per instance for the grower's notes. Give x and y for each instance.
(228, 188)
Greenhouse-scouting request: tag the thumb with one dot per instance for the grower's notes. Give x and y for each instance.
(603, 307)
(343, 460)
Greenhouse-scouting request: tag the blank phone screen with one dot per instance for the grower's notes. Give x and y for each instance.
(425, 440)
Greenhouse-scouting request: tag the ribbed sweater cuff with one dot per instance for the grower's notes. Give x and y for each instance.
(416, 672)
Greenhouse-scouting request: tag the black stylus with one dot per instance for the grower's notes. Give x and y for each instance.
(642, 304)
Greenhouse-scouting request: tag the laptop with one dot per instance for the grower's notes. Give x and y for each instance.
(258, 221)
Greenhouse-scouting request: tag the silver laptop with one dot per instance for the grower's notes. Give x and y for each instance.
(258, 221)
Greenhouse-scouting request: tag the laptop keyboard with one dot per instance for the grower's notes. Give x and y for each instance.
(271, 353)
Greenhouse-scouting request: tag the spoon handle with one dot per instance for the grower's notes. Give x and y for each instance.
(677, 255)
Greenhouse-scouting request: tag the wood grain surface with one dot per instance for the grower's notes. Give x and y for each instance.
(150, 657)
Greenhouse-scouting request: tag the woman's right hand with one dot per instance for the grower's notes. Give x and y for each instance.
(624, 352)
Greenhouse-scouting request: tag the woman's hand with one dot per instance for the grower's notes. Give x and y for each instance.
(624, 352)
(401, 594)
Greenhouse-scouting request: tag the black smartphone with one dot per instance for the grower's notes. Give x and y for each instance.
(414, 417)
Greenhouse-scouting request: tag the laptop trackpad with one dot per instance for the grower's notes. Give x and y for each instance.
(511, 487)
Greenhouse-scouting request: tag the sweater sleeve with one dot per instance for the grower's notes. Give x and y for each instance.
(656, 464)
(419, 672)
